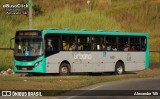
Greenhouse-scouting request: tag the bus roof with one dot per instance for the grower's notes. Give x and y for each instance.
(85, 31)
(98, 32)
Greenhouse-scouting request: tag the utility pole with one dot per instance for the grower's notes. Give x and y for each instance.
(89, 5)
(30, 14)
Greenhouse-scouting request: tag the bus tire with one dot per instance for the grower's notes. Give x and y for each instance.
(64, 69)
(119, 68)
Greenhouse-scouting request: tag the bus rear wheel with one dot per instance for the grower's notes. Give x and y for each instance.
(119, 68)
(64, 69)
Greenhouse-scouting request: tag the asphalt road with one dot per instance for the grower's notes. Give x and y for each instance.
(91, 92)
(125, 87)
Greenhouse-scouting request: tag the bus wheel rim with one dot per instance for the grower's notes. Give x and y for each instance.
(119, 70)
(64, 70)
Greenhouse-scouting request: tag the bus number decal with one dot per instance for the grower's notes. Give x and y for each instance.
(112, 57)
(82, 56)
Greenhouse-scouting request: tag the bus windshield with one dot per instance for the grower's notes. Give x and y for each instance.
(28, 46)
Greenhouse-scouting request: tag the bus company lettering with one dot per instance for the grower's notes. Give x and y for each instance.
(82, 56)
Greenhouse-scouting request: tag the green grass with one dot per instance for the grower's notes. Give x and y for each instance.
(131, 16)
(67, 18)
(66, 82)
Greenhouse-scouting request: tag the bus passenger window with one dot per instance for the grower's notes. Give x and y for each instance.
(111, 43)
(69, 42)
(98, 43)
(50, 45)
(84, 43)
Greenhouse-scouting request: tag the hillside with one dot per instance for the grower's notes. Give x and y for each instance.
(123, 15)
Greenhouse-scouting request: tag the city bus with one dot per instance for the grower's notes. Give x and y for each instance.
(66, 51)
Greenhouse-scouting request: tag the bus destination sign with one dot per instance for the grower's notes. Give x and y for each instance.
(28, 34)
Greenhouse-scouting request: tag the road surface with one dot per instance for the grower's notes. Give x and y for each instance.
(143, 84)
(146, 84)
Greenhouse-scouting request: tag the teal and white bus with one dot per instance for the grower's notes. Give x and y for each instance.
(66, 51)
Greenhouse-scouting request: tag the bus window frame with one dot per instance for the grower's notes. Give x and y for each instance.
(117, 43)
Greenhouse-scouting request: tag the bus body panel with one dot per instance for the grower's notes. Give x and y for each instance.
(96, 61)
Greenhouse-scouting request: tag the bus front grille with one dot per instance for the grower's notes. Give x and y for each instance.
(25, 67)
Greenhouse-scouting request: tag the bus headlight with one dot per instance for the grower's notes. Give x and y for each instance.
(38, 63)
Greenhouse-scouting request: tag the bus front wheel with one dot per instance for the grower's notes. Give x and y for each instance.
(119, 68)
(64, 69)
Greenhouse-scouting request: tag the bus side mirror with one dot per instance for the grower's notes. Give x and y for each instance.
(11, 44)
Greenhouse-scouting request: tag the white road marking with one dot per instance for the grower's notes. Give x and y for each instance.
(84, 92)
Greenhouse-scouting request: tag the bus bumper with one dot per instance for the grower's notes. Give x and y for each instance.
(37, 66)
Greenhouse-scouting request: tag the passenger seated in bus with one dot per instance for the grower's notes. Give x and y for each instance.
(65, 45)
(98, 47)
(72, 47)
(94, 46)
(19, 48)
(137, 48)
(114, 48)
(103, 46)
(108, 48)
(126, 48)
(32, 48)
(132, 48)
(50, 46)
(23, 49)
(143, 48)
(80, 47)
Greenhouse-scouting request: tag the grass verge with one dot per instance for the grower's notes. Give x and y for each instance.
(63, 83)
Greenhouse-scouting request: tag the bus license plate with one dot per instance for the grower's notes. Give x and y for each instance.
(24, 68)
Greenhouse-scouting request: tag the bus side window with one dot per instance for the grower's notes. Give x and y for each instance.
(123, 43)
(49, 45)
(69, 42)
(84, 43)
(98, 43)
